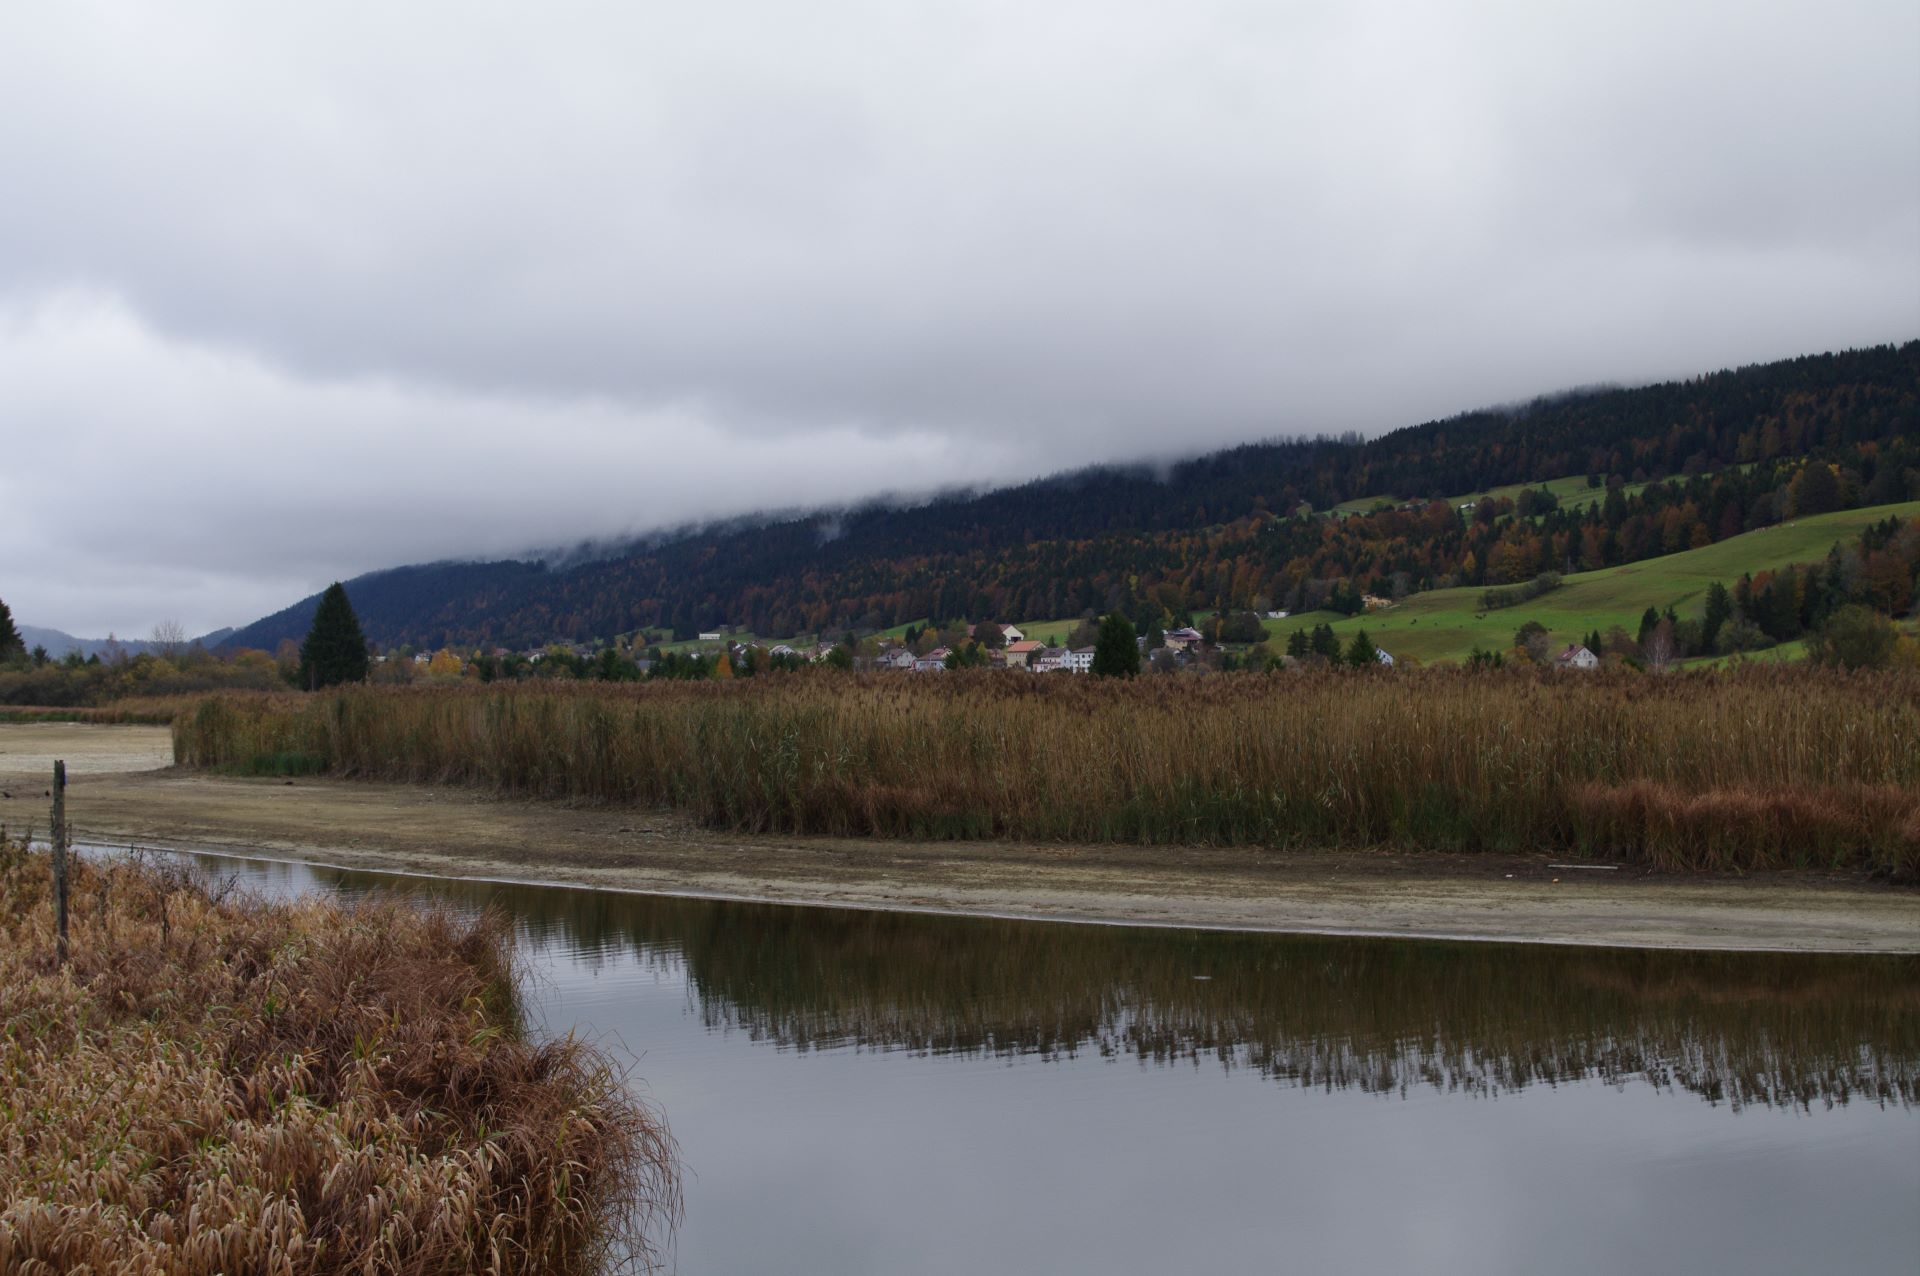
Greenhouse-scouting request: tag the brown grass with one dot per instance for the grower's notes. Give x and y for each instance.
(220, 1085)
(1750, 768)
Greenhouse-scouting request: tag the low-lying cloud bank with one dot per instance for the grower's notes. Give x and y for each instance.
(158, 478)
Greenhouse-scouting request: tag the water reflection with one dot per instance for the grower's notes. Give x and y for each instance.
(1381, 1016)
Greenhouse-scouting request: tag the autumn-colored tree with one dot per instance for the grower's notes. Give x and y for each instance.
(967, 655)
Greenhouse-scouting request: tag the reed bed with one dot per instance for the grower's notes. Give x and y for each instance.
(219, 1085)
(146, 710)
(1750, 768)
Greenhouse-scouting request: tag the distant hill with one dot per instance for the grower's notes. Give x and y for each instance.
(58, 643)
(1645, 472)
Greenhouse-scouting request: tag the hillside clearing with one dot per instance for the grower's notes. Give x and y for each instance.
(1447, 624)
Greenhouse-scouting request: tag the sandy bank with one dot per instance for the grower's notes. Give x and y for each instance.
(431, 830)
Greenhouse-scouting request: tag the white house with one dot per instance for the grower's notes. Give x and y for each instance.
(896, 658)
(1079, 660)
(934, 661)
(1576, 656)
(712, 635)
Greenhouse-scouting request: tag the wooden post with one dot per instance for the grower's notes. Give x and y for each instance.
(60, 862)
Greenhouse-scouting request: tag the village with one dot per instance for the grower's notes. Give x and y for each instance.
(916, 650)
(1182, 649)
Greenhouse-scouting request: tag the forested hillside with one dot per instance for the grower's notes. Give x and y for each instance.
(1659, 469)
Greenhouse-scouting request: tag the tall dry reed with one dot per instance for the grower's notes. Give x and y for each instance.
(219, 1085)
(1750, 768)
(149, 710)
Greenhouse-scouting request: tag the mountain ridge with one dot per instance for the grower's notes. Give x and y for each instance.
(1136, 536)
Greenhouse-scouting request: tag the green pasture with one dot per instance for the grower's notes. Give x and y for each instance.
(1447, 624)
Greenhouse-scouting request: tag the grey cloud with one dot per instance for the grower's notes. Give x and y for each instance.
(852, 246)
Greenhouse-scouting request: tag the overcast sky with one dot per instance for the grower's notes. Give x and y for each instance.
(286, 296)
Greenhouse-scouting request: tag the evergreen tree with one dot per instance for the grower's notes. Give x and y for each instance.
(1326, 642)
(1815, 490)
(1117, 653)
(1649, 621)
(1297, 644)
(11, 644)
(335, 650)
(1719, 611)
(1361, 653)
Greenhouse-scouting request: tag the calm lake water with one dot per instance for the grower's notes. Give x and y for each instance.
(866, 1092)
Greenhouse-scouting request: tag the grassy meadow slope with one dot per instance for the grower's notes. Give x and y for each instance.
(1447, 624)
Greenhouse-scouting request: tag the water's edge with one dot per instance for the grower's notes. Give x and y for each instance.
(377, 863)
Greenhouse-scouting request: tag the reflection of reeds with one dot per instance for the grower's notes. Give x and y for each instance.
(216, 1084)
(1754, 767)
(1384, 1016)
(1380, 1015)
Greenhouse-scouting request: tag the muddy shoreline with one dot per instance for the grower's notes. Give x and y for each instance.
(123, 791)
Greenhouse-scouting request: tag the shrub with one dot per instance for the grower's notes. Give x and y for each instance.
(1855, 637)
(1514, 595)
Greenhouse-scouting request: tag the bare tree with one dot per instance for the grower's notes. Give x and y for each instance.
(169, 639)
(1661, 647)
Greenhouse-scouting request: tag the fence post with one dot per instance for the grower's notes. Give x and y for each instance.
(60, 863)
